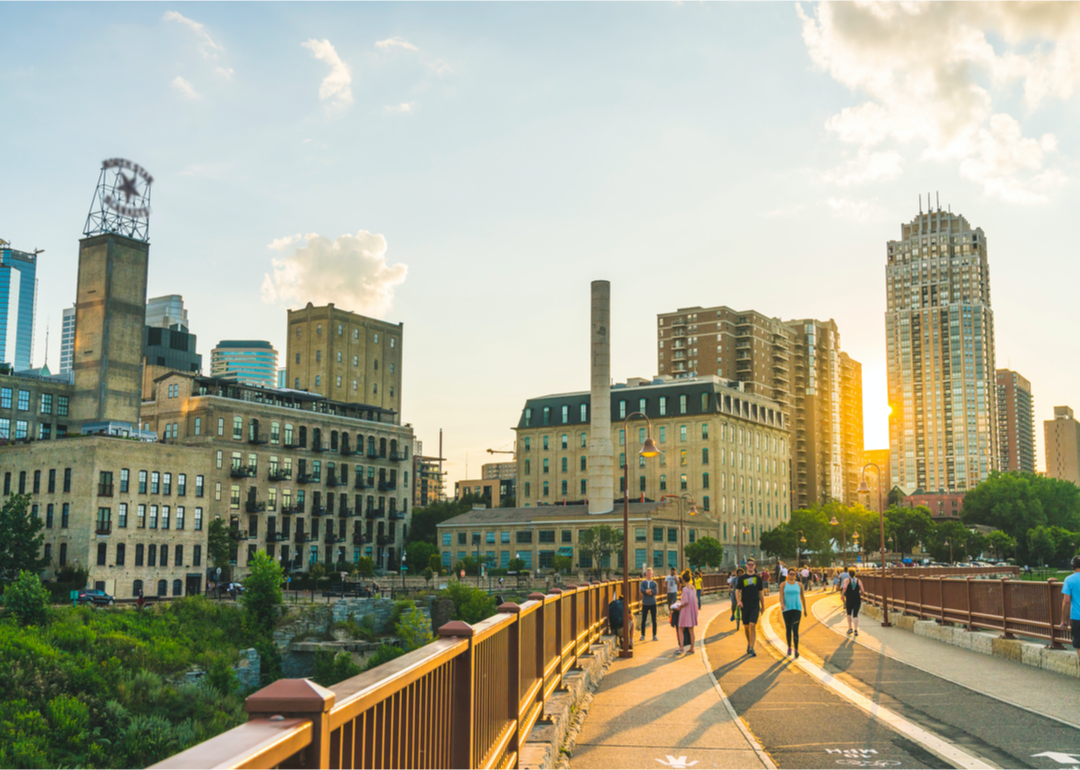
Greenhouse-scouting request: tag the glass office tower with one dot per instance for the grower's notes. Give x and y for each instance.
(18, 303)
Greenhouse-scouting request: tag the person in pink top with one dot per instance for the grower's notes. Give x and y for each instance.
(688, 610)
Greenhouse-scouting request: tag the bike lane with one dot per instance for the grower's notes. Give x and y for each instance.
(798, 722)
(997, 732)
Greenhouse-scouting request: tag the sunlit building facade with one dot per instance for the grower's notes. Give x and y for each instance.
(940, 350)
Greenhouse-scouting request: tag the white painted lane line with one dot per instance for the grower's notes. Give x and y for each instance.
(924, 738)
(826, 617)
(761, 755)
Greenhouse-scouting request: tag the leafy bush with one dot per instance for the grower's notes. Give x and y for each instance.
(385, 654)
(331, 669)
(76, 576)
(28, 600)
(414, 630)
(262, 595)
(470, 604)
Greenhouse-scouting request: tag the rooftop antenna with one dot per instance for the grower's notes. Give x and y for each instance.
(920, 203)
(46, 363)
(937, 198)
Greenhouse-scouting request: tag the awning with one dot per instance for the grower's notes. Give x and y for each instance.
(566, 551)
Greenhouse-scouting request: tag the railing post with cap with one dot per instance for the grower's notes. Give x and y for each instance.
(1005, 607)
(300, 698)
(513, 666)
(462, 696)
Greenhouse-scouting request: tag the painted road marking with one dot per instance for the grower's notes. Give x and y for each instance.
(677, 762)
(928, 740)
(1060, 757)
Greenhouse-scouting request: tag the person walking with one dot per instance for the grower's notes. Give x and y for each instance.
(699, 581)
(793, 598)
(851, 590)
(734, 599)
(748, 590)
(616, 616)
(673, 621)
(688, 611)
(672, 585)
(649, 589)
(1070, 607)
(804, 573)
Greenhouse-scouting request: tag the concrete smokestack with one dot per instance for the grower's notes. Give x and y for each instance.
(601, 453)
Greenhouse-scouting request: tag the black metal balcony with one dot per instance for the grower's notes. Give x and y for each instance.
(358, 483)
(397, 516)
(293, 445)
(358, 539)
(276, 537)
(386, 486)
(344, 512)
(304, 478)
(331, 539)
(334, 481)
(318, 510)
(303, 537)
(280, 474)
(254, 506)
(238, 534)
(243, 472)
(346, 451)
(103, 528)
(374, 513)
(318, 447)
(105, 490)
(385, 540)
(258, 438)
(294, 508)
(372, 454)
(395, 457)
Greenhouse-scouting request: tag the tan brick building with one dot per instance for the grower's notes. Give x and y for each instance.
(537, 535)
(1015, 422)
(35, 408)
(344, 356)
(304, 478)
(1062, 445)
(726, 448)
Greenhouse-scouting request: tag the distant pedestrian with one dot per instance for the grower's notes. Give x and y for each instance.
(852, 593)
(649, 589)
(732, 581)
(804, 573)
(673, 621)
(140, 602)
(616, 616)
(699, 581)
(1070, 607)
(793, 598)
(672, 584)
(749, 591)
(688, 611)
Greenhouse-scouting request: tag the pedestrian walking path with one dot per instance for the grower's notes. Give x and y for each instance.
(1030, 688)
(659, 710)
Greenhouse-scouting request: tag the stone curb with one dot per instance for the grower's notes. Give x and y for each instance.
(1028, 653)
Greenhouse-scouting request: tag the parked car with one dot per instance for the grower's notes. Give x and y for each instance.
(95, 597)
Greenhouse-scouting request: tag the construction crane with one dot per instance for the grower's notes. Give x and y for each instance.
(501, 452)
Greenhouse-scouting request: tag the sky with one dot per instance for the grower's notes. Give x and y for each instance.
(468, 169)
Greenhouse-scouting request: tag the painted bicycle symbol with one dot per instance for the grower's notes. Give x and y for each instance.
(868, 762)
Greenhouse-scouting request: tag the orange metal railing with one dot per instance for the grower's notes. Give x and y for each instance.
(1012, 607)
(468, 700)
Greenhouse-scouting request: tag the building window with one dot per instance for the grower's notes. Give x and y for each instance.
(237, 428)
(198, 426)
(198, 486)
(682, 482)
(663, 482)
(65, 515)
(49, 516)
(24, 400)
(663, 405)
(62, 406)
(153, 516)
(142, 482)
(155, 483)
(704, 480)
(46, 403)
(198, 520)
(122, 514)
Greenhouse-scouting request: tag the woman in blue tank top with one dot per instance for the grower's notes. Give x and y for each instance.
(793, 600)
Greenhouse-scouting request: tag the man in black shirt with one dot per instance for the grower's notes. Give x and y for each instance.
(748, 594)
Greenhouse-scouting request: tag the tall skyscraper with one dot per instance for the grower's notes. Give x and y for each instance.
(253, 362)
(67, 340)
(799, 365)
(1015, 422)
(940, 347)
(18, 303)
(166, 312)
(1062, 444)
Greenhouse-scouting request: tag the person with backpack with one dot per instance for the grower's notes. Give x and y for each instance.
(688, 612)
(616, 617)
(732, 582)
(851, 590)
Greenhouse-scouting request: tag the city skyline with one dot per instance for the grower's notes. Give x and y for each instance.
(481, 185)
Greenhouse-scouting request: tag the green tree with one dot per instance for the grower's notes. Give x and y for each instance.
(470, 604)
(813, 524)
(425, 521)
(562, 564)
(598, 543)
(21, 540)
(317, 572)
(262, 596)
(469, 564)
(414, 630)
(28, 600)
(911, 526)
(705, 552)
(418, 555)
(515, 565)
(434, 563)
(1041, 545)
(218, 545)
(1016, 502)
(330, 669)
(1001, 544)
(365, 567)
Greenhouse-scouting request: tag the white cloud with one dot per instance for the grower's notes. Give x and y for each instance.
(786, 211)
(207, 47)
(858, 211)
(225, 72)
(867, 166)
(395, 42)
(350, 271)
(335, 87)
(439, 67)
(185, 88)
(405, 108)
(932, 73)
(280, 244)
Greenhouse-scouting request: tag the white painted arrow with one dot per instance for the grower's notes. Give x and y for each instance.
(1060, 757)
(677, 762)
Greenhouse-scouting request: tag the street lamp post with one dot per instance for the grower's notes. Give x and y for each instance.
(798, 539)
(740, 530)
(682, 522)
(864, 487)
(948, 543)
(843, 534)
(648, 449)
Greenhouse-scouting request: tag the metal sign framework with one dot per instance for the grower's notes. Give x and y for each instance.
(121, 202)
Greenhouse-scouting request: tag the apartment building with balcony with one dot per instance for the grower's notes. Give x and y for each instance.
(1015, 422)
(295, 474)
